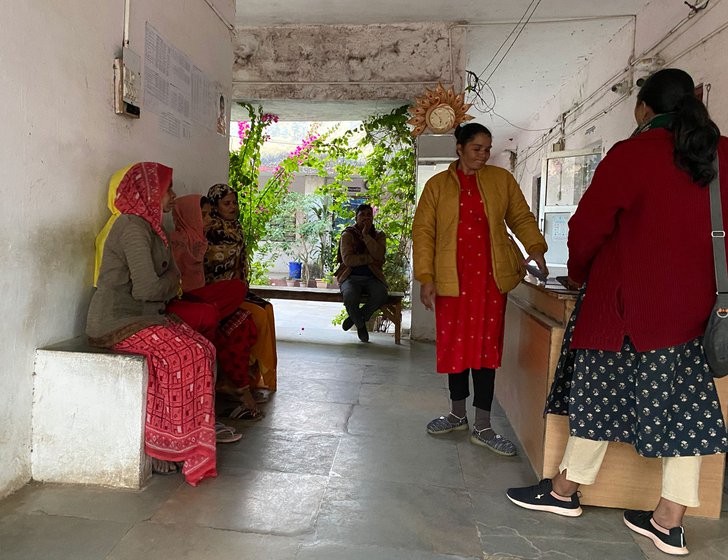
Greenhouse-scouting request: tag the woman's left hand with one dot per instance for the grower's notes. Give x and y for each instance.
(540, 261)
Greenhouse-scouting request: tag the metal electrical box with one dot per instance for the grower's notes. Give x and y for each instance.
(128, 84)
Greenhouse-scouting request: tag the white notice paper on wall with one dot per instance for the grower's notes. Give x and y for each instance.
(174, 88)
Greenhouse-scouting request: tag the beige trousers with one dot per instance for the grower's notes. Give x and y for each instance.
(680, 475)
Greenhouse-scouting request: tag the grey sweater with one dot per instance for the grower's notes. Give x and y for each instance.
(137, 277)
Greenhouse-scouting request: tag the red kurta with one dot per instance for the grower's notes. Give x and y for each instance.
(470, 326)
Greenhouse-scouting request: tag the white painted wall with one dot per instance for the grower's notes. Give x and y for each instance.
(697, 46)
(60, 143)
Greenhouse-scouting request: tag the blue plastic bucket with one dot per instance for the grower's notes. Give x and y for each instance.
(294, 270)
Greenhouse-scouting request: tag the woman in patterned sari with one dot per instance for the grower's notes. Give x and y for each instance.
(226, 259)
(135, 277)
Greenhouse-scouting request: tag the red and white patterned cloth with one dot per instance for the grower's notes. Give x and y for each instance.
(180, 417)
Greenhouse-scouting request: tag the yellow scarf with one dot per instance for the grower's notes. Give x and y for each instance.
(115, 213)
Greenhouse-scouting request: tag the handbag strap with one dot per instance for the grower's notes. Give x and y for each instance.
(718, 233)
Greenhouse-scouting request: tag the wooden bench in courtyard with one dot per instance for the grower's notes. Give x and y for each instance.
(392, 310)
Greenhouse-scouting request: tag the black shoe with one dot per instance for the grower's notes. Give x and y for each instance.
(672, 542)
(347, 324)
(541, 498)
(363, 333)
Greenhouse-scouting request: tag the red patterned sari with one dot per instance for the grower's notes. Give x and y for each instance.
(180, 421)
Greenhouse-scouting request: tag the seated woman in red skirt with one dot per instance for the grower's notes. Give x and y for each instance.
(135, 278)
(236, 333)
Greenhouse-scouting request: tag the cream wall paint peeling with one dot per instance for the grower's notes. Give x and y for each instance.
(61, 142)
(346, 62)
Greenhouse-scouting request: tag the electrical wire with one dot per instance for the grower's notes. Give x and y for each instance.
(477, 86)
(503, 44)
(515, 39)
(520, 127)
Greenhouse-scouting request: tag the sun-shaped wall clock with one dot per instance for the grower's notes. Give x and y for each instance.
(439, 110)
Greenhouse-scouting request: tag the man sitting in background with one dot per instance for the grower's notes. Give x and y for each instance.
(361, 257)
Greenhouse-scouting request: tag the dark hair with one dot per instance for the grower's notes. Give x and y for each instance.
(204, 200)
(696, 136)
(465, 132)
(363, 207)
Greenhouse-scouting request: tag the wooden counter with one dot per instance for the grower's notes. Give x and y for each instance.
(535, 323)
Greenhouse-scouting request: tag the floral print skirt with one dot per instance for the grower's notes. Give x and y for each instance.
(663, 402)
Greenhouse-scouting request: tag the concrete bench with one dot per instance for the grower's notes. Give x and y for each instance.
(89, 406)
(391, 310)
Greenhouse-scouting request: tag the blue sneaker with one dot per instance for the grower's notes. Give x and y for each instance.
(541, 497)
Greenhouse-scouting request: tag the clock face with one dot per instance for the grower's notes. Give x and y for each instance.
(441, 118)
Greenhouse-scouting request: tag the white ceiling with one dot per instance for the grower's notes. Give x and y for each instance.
(559, 40)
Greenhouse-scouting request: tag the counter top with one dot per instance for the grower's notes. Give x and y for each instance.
(553, 288)
(555, 303)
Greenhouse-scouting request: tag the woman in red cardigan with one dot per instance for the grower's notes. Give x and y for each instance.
(635, 370)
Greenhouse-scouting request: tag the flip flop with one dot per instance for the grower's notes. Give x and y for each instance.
(226, 434)
(243, 413)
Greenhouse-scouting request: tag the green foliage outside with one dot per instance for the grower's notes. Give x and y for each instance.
(267, 212)
(260, 203)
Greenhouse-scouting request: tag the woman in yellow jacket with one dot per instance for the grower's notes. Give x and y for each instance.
(466, 262)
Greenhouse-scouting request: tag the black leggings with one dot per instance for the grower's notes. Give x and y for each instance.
(483, 386)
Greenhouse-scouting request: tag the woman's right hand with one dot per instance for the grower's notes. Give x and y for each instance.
(427, 295)
(573, 284)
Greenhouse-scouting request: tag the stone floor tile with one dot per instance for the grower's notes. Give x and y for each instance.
(290, 412)
(386, 422)
(328, 551)
(265, 449)
(261, 502)
(292, 353)
(497, 517)
(320, 390)
(172, 542)
(417, 459)
(92, 502)
(325, 371)
(434, 400)
(486, 471)
(392, 375)
(393, 515)
(540, 548)
(54, 537)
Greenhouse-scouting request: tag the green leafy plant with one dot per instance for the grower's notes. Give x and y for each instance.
(260, 203)
(302, 229)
